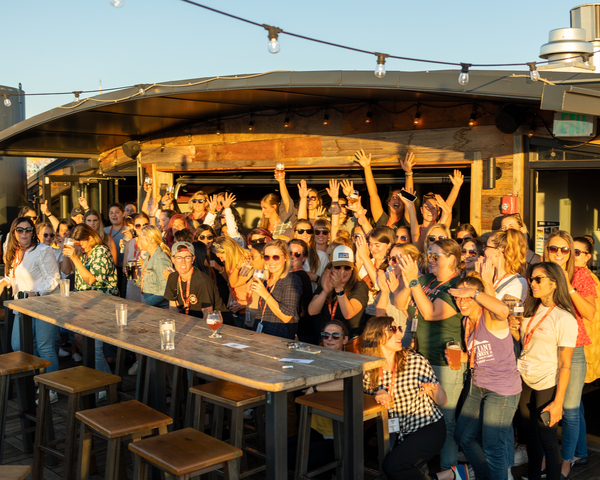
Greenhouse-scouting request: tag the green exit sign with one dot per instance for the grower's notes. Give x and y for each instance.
(574, 124)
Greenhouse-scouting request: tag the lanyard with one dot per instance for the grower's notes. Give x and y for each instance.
(390, 387)
(136, 251)
(497, 282)
(467, 333)
(332, 311)
(529, 334)
(262, 315)
(110, 231)
(17, 261)
(427, 292)
(186, 299)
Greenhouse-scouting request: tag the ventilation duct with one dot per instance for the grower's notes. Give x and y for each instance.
(588, 17)
(566, 50)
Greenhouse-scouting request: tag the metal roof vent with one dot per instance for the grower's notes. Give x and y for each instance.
(588, 17)
(566, 49)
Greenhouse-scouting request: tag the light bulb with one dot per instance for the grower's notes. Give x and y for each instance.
(533, 72)
(380, 68)
(326, 120)
(77, 94)
(472, 120)
(286, 122)
(417, 118)
(141, 90)
(251, 126)
(463, 78)
(117, 3)
(531, 131)
(274, 46)
(7, 102)
(368, 119)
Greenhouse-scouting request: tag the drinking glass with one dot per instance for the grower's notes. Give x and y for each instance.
(65, 287)
(214, 320)
(131, 269)
(517, 310)
(167, 334)
(121, 312)
(453, 351)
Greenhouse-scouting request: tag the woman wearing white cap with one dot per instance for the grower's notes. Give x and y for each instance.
(342, 295)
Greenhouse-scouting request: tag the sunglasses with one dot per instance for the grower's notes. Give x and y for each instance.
(140, 225)
(49, 235)
(33, 218)
(199, 200)
(403, 238)
(436, 256)
(302, 231)
(311, 199)
(470, 253)
(334, 335)
(275, 258)
(463, 239)
(346, 268)
(579, 252)
(394, 261)
(321, 232)
(206, 237)
(296, 254)
(394, 329)
(490, 246)
(434, 238)
(555, 249)
(537, 279)
(24, 230)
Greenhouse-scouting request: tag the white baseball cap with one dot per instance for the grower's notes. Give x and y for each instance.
(342, 255)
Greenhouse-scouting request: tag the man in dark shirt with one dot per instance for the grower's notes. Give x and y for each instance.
(308, 326)
(188, 289)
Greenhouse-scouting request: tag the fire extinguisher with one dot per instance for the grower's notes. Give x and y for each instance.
(510, 204)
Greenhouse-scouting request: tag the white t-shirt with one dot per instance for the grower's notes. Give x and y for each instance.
(515, 286)
(559, 329)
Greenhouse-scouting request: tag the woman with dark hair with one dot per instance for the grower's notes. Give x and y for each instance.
(560, 249)
(202, 260)
(258, 235)
(548, 334)
(465, 231)
(275, 218)
(495, 386)
(31, 268)
(472, 250)
(316, 260)
(437, 319)
(94, 270)
(226, 220)
(205, 234)
(132, 251)
(29, 212)
(308, 326)
(177, 222)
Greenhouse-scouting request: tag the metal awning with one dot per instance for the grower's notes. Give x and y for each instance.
(104, 122)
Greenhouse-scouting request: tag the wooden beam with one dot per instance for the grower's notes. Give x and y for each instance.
(518, 167)
(476, 188)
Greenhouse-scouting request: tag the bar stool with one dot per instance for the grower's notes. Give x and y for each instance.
(331, 405)
(184, 454)
(14, 472)
(18, 366)
(77, 383)
(237, 398)
(129, 420)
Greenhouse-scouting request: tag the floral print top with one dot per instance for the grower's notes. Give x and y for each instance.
(100, 264)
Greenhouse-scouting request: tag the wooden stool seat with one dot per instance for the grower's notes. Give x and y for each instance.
(14, 472)
(125, 418)
(229, 394)
(185, 452)
(19, 362)
(77, 380)
(333, 403)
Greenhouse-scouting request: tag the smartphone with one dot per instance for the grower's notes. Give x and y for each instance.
(545, 418)
(409, 196)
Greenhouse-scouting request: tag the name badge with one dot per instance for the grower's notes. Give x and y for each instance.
(394, 425)
(523, 366)
(259, 328)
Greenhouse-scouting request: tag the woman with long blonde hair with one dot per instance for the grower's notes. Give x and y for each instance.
(155, 259)
(234, 258)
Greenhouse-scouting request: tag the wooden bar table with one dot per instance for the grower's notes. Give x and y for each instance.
(258, 365)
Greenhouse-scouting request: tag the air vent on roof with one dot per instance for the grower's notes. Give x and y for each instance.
(567, 51)
(588, 17)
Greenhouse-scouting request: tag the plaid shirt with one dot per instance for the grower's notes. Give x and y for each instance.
(413, 411)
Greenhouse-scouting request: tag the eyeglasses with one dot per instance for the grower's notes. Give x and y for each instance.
(403, 238)
(275, 258)
(206, 237)
(470, 253)
(394, 329)
(198, 200)
(579, 252)
(321, 232)
(183, 259)
(463, 239)
(435, 256)
(24, 230)
(297, 254)
(311, 199)
(140, 225)
(258, 240)
(537, 279)
(49, 235)
(435, 238)
(394, 260)
(334, 335)
(555, 249)
(346, 268)
(302, 231)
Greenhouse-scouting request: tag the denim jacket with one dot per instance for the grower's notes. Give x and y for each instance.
(152, 272)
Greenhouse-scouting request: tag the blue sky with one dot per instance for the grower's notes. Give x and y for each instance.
(67, 45)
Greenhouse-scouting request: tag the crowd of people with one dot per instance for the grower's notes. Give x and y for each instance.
(364, 277)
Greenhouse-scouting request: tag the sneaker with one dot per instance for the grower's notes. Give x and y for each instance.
(520, 456)
(462, 458)
(461, 472)
(134, 369)
(77, 357)
(63, 353)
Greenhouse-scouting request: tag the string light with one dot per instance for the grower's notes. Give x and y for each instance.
(326, 119)
(533, 72)
(380, 68)
(251, 124)
(274, 32)
(286, 122)
(463, 78)
(7, 102)
(473, 117)
(369, 116)
(531, 130)
(77, 94)
(417, 117)
(218, 132)
(162, 145)
(140, 88)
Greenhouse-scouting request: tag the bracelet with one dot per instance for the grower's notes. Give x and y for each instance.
(571, 292)
(477, 292)
(317, 279)
(408, 174)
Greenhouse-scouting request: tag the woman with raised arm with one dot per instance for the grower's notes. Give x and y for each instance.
(495, 387)
(227, 221)
(548, 335)
(395, 215)
(438, 321)
(560, 249)
(198, 206)
(316, 260)
(92, 219)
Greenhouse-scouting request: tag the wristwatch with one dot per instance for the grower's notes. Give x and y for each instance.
(341, 293)
(477, 292)
(413, 283)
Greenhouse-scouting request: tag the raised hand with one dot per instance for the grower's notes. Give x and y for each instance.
(321, 212)
(83, 202)
(228, 200)
(362, 159)
(444, 207)
(408, 163)
(152, 207)
(44, 208)
(303, 189)
(212, 203)
(392, 282)
(405, 201)
(486, 270)
(409, 269)
(462, 292)
(457, 179)
(362, 249)
(347, 187)
(334, 190)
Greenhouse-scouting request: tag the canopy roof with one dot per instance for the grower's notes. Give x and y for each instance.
(92, 126)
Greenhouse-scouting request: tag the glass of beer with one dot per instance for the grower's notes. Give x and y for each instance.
(516, 312)
(279, 170)
(453, 352)
(353, 198)
(131, 269)
(214, 320)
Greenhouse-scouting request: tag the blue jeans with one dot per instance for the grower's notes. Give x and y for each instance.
(155, 300)
(452, 383)
(581, 448)
(571, 421)
(44, 340)
(489, 414)
(101, 363)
